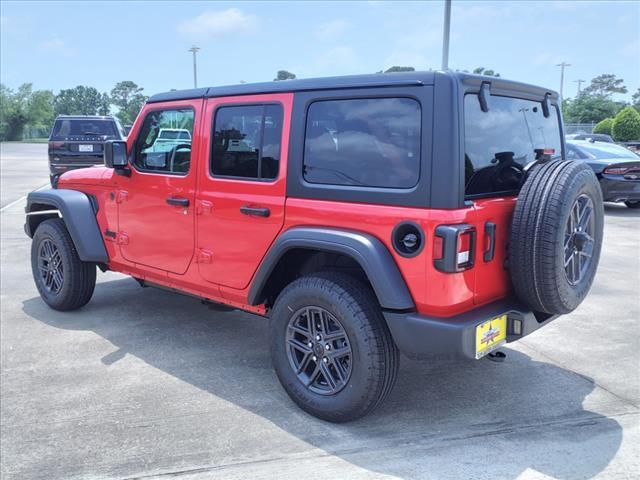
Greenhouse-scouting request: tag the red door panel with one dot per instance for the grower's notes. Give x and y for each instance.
(153, 232)
(232, 236)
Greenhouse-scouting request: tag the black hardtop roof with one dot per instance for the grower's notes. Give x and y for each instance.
(374, 80)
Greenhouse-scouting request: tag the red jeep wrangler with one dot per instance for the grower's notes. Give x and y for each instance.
(423, 213)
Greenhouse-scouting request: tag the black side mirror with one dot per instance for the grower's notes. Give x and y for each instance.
(115, 154)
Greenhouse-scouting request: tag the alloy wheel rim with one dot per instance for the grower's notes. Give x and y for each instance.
(50, 266)
(318, 350)
(578, 239)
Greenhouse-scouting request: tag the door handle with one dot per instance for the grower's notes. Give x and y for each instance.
(255, 211)
(178, 201)
(490, 231)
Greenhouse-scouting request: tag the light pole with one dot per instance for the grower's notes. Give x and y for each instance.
(194, 49)
(445, 34)
(562, 66)
(579, 82)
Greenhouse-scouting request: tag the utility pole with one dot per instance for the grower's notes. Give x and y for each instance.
(194, 49)
(445, 34)
(562, 67)
(579, 82)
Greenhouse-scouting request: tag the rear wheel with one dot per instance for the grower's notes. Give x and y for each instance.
(632, 203)
(556, 236)
(63, 280)
(331, 348)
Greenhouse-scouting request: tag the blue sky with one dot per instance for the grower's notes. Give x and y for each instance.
(59, 45)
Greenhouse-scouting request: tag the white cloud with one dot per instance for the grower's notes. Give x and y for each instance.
(331, 30)
(214, 23)
(56, 46)
(336, 59)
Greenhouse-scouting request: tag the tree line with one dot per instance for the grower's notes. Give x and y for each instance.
(26, 108)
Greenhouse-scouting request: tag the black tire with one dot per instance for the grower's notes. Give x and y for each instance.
(78, 277)
(632, 203)
(374, 355)
(540, 232)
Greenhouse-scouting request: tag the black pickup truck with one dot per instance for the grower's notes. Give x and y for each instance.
(76, 141)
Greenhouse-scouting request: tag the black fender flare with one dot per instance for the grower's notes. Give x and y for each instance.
(79, 214)
(368, 251)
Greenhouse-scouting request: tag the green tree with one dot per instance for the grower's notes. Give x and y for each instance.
(80, 100)
(635, 99)
(40, 109)
(105, 104)
(14, 111)
(605, 85)
(589, 109)
(604, 126)
(626, 125)
(396, 68)
(284, 75)
(129, 99)
(485, 71)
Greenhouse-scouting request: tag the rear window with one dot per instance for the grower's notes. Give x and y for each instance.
(76, 127)
(500, 142)
(363, 142)
(174, 135)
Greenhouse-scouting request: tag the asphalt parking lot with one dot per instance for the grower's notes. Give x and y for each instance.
(145, 383)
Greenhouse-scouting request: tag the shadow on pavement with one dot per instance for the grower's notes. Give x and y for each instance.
(502, 418)
(620, 210)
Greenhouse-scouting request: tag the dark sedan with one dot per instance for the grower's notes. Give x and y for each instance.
(617, 169)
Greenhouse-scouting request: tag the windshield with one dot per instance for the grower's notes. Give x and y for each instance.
(604, 151)
(501, 142)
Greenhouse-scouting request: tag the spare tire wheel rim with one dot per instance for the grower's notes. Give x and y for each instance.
(318, 350)
(579, 239)
(50, 266)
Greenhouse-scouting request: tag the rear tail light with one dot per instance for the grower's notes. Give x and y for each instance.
(56, 144)
(454, 247)
(617, 170)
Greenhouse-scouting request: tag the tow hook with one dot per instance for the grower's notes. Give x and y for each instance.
(497, 357)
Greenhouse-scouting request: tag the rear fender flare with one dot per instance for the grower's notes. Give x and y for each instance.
(368, 251)
(78, 210)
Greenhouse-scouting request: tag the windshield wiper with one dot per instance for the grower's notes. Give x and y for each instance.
(93, 133)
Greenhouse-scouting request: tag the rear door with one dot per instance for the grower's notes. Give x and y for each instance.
(241, 185)
(156, 212)
(499, 143)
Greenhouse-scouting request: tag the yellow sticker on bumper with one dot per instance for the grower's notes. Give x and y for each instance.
(490, 335)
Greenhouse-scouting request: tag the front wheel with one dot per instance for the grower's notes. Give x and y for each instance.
(632, 203)
(331, 348)
(63, 280)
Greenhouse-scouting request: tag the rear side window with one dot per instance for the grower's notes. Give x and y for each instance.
(500, 142)
(76, 127)
(246, 141)
(363, 142)
(158, 154)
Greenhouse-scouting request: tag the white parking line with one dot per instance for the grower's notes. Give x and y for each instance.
(20, 199)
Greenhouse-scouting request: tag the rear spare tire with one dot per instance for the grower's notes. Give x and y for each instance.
(556, 236)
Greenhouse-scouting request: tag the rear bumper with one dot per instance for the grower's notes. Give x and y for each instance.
(418, 335)
(619, 190)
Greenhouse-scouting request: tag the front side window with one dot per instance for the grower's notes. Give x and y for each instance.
(501, 142)
(246, 141)
(373, 142)
(164, 142)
